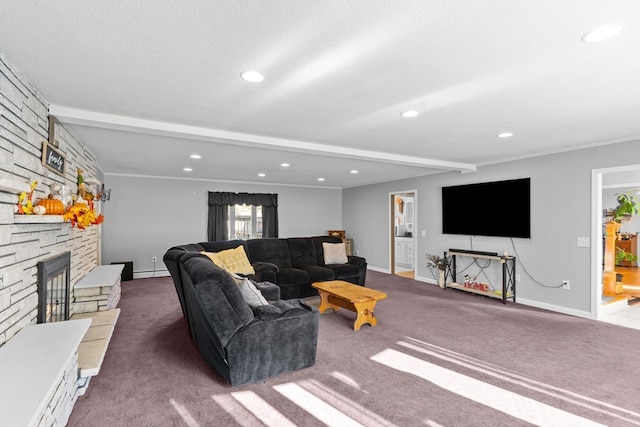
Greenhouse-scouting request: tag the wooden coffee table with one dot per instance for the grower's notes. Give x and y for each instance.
(338, 293)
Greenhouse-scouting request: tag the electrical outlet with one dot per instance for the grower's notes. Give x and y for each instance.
(517, 277)
(154, 259)
(566, 284)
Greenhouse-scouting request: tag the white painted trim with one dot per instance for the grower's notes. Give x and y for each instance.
(552, 307)
(152, 127)
(378, 269)
(597, 253)
(148, 273)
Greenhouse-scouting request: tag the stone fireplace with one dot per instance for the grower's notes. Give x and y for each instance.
(54, 285)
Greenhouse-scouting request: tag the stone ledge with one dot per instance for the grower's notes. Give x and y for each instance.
(34, 363)
(94, 344)
(101, 275)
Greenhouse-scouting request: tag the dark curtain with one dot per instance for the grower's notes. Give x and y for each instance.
(218, 208)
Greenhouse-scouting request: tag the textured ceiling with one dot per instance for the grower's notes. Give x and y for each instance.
(133, 79)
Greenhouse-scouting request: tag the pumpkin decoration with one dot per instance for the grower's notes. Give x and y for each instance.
(52, 206)
(39, 210)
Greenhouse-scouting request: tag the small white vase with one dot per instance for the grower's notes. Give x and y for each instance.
(441, 279)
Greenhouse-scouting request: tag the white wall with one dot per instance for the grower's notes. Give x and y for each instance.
(146, 216)
(561, 212)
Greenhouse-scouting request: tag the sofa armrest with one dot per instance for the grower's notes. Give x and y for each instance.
(283, 309)
(265, 271)
(356, 260)
(269, 291)
(261, 267)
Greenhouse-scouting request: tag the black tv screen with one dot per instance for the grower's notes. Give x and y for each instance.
(499, 208)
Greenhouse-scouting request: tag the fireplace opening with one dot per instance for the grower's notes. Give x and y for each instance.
(54, 285)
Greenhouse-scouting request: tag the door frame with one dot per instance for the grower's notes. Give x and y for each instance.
(392, 234)
(597, 253)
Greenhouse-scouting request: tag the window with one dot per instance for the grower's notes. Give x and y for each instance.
(242, 216)
(245, 222)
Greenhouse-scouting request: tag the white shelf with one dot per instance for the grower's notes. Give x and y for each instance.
(489, 293)
(37, 219)
(9, 185)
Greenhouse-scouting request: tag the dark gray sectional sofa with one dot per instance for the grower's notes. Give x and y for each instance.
(291, 263)
(241, 343)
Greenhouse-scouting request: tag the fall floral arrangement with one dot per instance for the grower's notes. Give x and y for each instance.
(82, 215)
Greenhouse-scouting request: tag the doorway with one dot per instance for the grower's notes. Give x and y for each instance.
(402, 246)
(605, 183)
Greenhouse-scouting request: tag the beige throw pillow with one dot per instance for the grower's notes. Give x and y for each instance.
(334, 253)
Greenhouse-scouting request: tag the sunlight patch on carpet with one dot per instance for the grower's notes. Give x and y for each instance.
(242, 416)
(261, 409)
(315, 406)
(501, 373)
(345, 405)
(510, 403)
(184, 413)
(346, 379)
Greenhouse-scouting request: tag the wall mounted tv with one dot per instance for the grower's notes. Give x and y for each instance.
(498, 208)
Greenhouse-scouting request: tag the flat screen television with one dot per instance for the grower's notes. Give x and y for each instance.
(498, 208)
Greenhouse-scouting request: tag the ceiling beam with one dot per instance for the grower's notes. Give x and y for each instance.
(131, 124)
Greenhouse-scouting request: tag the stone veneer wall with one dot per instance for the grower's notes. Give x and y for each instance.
(24, 125)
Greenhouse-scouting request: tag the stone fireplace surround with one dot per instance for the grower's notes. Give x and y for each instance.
(26, 240)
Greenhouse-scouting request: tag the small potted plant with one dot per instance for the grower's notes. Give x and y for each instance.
(440, 263)
(627, 207)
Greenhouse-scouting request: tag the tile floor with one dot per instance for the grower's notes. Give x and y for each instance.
(629, 317)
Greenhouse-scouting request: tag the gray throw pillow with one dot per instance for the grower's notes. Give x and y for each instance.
(252, 296)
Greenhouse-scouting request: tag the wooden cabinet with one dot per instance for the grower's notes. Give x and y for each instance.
(630, 246)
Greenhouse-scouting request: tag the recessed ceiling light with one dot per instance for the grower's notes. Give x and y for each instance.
(601, 33)
(285, 165)
(505, 135)
(320, 179)
(262, 174)
(409, 114)
(187, 169)
(252, 76)
(353, 172)
(195, 156)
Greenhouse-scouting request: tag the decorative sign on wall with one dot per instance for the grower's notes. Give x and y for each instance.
(53, 159)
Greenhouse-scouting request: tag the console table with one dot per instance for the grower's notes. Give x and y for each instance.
(508, 274)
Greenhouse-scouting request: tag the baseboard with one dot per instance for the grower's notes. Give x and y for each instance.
(379, 270)
(523, 301)
(556, 308)
(147, 274)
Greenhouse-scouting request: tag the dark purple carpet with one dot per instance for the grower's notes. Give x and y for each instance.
(436, 358)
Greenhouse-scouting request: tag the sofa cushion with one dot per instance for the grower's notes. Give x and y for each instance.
(292, 276)
(302, 252)
(334, 253)
(218, 295)
(345, 272)
(318, 274)
(233, 260)
(221, 245)
(275, 251)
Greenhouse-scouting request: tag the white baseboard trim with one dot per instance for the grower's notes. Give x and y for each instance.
(147, 274)
(379, 270)
(556, 308)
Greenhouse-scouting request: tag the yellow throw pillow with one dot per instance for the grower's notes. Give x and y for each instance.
(232, 260)
(213, 256)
